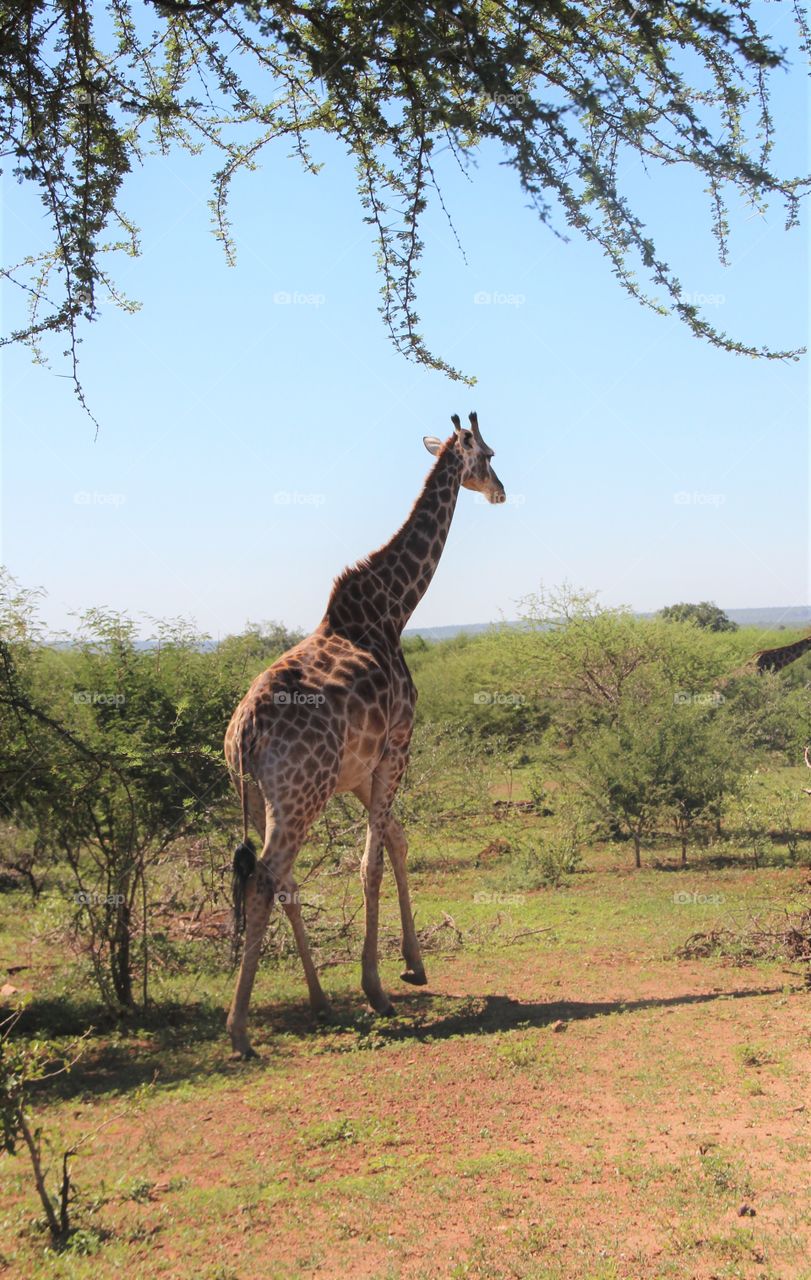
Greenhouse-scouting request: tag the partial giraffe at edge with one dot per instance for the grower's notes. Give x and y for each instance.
(336, 713)
(772, 661)
(769, 661)
(775, 659)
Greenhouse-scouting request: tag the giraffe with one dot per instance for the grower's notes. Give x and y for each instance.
(768, 660)
(335, 714)
(772, 661)
(776, 659)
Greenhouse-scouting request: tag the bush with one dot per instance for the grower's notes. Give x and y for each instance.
(546, 860)
(662, 762)
(119, 748)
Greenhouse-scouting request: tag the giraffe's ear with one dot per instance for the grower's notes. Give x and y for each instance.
(432, 443)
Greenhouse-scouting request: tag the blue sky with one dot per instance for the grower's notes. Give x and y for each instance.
(250, 447)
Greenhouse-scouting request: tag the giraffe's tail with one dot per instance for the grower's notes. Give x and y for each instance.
(243, 868)
(244, 864)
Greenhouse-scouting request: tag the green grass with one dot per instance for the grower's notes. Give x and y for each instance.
(466, 1106)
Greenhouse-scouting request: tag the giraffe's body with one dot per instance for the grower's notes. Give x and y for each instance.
(335, 713)
(771, 661)
(776, 659)
(768, 660)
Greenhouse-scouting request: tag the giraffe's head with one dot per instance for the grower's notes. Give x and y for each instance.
(475, 456)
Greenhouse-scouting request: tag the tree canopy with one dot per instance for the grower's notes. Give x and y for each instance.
(567, 89)
(705, 614)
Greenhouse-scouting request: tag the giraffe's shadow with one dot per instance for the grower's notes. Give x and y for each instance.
(184, 1044)
(428, 1017)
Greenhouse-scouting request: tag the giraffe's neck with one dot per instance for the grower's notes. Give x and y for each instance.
(379, 595)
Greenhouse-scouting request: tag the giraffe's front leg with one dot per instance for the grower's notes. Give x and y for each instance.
(385, 781)
(397, 849)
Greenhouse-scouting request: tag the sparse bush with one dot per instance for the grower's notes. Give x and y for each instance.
(448, 775)
(545, 864)
(22, 1063)
(546, 860)
(108, 753)
(769, 712)
(750, 809)
(787, 816)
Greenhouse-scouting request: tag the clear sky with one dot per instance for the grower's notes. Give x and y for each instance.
(250, 447)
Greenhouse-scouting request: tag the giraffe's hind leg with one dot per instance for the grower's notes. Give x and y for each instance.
(258, 901)
(289, 897)
(271, 877)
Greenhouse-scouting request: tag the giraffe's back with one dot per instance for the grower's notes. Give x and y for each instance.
(318, 720)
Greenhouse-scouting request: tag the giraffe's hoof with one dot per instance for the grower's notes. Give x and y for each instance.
(324, 1013)
(416, 977)
(244, 1055)
(386, 1010)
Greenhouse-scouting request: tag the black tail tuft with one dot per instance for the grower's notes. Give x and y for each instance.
(244, 867)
